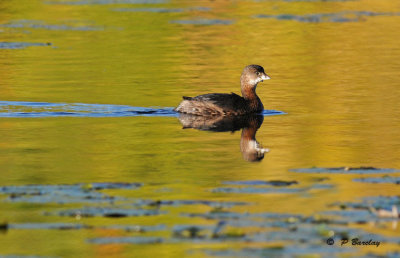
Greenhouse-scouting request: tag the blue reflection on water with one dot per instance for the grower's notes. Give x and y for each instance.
(45, 109)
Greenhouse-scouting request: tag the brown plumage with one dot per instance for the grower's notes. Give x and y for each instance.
(217, 104)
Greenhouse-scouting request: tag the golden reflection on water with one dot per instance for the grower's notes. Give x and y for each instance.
(337, 81)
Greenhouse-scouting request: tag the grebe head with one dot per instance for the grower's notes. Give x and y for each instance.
(253, 74)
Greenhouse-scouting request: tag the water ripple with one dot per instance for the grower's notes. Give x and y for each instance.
(45, 109)
(344, 16)
(100, 2)
(202, 21)
(21, 45)
(30, 24)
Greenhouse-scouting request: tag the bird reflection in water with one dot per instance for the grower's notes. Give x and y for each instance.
(250, 148)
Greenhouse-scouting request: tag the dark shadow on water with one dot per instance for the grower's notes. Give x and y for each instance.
(250, 148)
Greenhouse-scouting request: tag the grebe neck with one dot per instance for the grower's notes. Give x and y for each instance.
(250, 95)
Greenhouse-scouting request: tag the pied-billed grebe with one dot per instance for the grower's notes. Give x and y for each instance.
(214, 104)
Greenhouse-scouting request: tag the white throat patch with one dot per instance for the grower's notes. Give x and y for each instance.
(255, 81)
